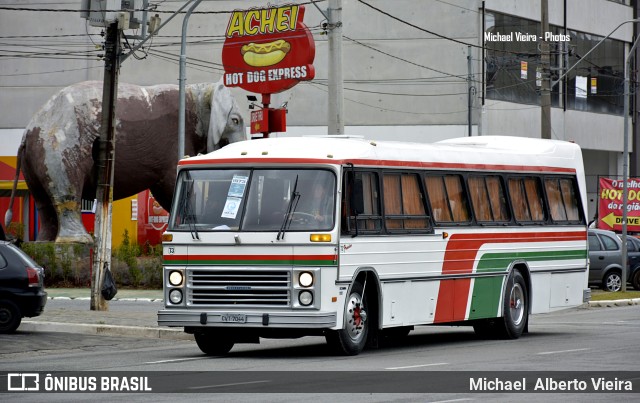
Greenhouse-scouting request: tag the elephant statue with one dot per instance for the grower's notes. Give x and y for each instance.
(60, 146)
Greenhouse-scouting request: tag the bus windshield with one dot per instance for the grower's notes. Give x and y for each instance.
(254, 200)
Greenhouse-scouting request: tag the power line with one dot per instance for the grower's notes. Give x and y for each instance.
(68, 10)
(435, 33)
(404, 60)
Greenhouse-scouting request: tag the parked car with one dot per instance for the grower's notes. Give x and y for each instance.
(22, 291)
(605, 256)
(633, 253)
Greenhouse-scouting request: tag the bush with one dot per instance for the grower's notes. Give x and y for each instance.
(70, 265)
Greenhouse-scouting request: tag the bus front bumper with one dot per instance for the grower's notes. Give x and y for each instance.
(206, 318)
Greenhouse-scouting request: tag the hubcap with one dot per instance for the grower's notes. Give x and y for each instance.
(614, 283)
(356, 317)
(5, 316)
(516, 304)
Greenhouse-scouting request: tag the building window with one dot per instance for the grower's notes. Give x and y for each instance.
(513, 66)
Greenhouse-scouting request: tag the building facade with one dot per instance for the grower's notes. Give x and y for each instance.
(415, 70)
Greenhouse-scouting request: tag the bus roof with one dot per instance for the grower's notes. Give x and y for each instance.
(501, 153)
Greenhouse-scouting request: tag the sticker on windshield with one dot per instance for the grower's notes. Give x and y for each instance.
(238, 184)
(231, 207)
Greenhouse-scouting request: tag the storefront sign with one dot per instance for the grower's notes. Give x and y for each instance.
(610, 204)
(268, 50)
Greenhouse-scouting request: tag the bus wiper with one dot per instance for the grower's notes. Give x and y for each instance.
(291, 207)
(190, 218)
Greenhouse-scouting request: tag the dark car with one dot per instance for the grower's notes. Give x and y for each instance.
(633, 253)
(21, 287)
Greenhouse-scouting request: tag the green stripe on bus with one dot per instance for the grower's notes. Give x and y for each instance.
(485, 300)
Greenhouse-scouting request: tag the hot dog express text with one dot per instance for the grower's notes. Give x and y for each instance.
(261, 76)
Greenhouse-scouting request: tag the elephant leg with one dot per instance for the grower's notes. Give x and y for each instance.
(47, 217)
(70, 228)
(48, 222)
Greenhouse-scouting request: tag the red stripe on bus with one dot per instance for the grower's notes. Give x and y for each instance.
(387, 163)
(249, 257)
(459, 258)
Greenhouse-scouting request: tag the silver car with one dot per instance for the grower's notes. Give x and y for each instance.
(605, 256)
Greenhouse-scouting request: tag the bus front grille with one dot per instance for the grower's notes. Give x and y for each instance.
(241, 287)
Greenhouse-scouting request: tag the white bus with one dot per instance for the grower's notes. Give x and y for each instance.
(357, 240)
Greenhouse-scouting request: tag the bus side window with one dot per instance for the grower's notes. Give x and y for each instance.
(447, 198)
(487, 198)
(361, 205)
(403, 202)
(561, 196)
(526, 199)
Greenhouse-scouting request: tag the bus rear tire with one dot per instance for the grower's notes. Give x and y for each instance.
(515, 312)
(212, 343)
(352, 339)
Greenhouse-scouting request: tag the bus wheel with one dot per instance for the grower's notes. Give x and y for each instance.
(515, 307)
(352, 339)
(515, 312)
(211, 343)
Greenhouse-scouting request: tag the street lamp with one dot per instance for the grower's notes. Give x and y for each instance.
(625, 164)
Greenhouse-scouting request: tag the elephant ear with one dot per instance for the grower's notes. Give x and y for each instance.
(221, 105)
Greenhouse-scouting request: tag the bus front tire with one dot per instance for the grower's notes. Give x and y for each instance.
(352, 339)
(211, 343)
(515, 312)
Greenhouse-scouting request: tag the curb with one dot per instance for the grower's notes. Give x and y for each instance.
(107, 330)
(616, 302)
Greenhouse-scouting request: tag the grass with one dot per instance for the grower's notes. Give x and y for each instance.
(600, 295)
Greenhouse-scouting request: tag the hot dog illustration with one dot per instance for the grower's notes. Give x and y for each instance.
(265, 54)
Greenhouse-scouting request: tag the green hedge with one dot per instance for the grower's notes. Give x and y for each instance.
(69, 265)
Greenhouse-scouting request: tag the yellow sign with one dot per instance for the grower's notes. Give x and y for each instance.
(613, 219)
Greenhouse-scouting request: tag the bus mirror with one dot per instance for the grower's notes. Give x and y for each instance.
(357, 198)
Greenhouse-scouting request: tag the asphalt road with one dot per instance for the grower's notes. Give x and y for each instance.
(600, 339)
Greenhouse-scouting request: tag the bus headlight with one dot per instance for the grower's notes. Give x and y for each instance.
(175, 278)
(305, 279)
(305, 298)
(175, 296)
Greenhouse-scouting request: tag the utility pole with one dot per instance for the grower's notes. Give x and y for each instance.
(336, 96)
(469, 89)
(182, 80)
(104, 194)
(545, 62)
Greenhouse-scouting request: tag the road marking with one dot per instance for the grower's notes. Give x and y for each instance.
(419, 366)
(564, 351)
(227, 384)
(176, 360)
(454, 400)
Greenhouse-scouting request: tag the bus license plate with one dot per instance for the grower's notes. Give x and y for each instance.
(234, 318)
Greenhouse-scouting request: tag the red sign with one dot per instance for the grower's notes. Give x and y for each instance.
(259, 121)
(268, 50)
(152, 219)
(610, 204)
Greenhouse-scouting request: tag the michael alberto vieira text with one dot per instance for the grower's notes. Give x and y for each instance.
(597, 384)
